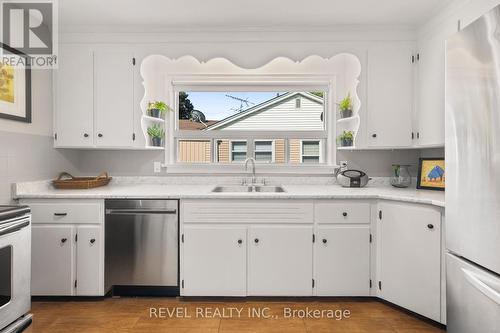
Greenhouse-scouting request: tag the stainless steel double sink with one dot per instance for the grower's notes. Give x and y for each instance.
(248, 189)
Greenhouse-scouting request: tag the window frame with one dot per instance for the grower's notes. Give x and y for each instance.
(272, 151)
(253, 83)
(231, 151)
(320, 157)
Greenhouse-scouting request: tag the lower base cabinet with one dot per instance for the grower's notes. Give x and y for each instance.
(280, 261)
(342, 260)
(65, 260)
(410, 257)
(247, 261)
(214, 261)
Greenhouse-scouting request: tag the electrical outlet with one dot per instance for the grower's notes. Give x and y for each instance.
(157, 167)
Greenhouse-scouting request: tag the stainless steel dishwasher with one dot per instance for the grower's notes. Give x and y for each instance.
(142, 247)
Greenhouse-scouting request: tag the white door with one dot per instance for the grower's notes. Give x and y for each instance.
(74, 97)
(214, 261)
(431, 92)
(114, 90)
(89, 261)
(342, 260)
(280, 261)
(390, 96)
(410, 257)
(52, 260)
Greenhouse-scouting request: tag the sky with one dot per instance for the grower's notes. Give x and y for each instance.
(217, 106)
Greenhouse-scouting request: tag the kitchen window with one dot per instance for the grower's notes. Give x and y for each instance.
(280, 126)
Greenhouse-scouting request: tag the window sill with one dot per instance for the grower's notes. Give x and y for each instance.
(260, 169)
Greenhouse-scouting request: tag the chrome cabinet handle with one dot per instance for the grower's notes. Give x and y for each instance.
(240, 241)
(344, 214)
(60, 214)
(92, 241)
(64, 240)
(430, 226)
(256, 240)
(85, 135)
(325, 241)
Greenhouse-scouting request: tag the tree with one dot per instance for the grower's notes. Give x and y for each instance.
(320, 94)
(185, 106)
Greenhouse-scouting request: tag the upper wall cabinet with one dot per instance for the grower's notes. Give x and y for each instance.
(390, 96)
(74, 123)
(114, 98)
(94, 98)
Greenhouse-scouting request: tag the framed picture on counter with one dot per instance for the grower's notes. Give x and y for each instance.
(15, 86)
(431, 174)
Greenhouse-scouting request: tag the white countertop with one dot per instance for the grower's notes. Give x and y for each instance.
(148, 189)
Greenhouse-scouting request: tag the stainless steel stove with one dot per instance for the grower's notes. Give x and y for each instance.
(15, 268)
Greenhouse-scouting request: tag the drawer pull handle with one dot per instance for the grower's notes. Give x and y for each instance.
(92, 241)
(430, 226)
(60, 214)
(324, 241)
(64, 240)
(344, 214)
(86, 135)
(240, 241)
(100, 135)
(256, 240)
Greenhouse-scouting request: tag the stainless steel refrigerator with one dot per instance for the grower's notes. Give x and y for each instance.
(473, 177)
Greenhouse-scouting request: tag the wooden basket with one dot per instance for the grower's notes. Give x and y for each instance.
(80, 183)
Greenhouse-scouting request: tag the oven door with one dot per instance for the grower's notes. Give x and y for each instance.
(15, 269)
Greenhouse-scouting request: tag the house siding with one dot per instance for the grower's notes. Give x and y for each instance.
(194, 151)
(283, 117)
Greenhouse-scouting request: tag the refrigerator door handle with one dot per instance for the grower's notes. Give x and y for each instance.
(476, 282)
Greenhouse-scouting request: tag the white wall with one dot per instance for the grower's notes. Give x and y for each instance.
(26, 151)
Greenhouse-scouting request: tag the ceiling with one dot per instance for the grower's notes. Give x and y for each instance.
(88, 15)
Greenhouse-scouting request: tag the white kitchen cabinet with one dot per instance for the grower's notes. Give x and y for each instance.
(67, 247)
(342, 260)
(409, 239)
(214, 261)
(114, 98)
(89, 271)
(74, 119)
(52, 260)
(280, 261)
(430, 97)
(390, 96)
(94, 98)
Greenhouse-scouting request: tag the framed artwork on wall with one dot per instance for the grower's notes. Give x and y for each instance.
(15, 86)
(431, 174)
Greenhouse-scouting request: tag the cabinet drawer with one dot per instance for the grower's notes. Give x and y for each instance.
(74, 213)
(247, 211)
(341, 212)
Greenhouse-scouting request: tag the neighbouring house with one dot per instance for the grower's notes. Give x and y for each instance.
(293, 111)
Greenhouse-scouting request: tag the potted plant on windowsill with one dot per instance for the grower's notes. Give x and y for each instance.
(345, 107)
(156, 133)
(346, 139)
(157, 109)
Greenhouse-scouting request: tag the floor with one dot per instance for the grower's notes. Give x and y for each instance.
(133, 315)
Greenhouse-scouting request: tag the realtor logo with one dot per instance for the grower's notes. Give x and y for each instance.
(30, 27)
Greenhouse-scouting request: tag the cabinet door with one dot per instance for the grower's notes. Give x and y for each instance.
(114, 90)
(342, 261)
(214, 261)
(390, 96)
(410, 257)
(74, 97)
(89, 261)
(280, 261)
(52, 260)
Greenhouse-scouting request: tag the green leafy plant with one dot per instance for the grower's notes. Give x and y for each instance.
(346, 103)
(347, 135)
(156, 131)
(159, 105)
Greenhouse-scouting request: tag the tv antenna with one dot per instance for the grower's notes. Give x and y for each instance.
(244, 103)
